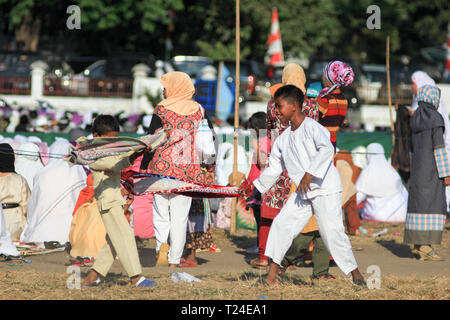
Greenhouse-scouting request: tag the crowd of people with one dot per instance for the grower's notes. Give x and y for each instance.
(306, 195)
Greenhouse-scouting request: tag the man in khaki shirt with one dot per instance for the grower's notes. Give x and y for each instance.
(120, 237)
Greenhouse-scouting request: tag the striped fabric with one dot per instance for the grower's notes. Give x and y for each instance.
(425, 222)
(333, 109)
(442, 164)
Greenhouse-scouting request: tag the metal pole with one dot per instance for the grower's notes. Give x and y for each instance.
(236, 120)
(219, 88)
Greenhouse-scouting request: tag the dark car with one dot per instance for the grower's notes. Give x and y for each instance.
(192, 65)
(251, 74)
(315, 71)
(117, 67)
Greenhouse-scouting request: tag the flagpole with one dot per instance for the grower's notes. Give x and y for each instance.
(389, 91)
(219, 88)
(236, 120)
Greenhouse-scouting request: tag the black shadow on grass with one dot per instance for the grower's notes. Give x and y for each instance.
(399, 249)
(111, 279)
(284, 279)
(147, 256)
(242, 242)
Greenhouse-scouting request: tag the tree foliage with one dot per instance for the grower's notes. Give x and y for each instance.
(207, 27)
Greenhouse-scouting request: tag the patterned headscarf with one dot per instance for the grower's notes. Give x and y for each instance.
(430, 94)
(337, 73)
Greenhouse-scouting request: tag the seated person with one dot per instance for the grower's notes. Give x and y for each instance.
(381, 187)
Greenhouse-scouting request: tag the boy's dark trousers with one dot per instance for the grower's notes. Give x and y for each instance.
(320, 254)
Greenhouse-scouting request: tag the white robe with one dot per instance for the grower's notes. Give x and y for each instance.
(53, 199)
(28, 162)
(381, 186)
(6, 246)
(307, 149)
(304, 150)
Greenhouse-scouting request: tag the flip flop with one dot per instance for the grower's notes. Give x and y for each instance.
(96, 283)
(186, 264)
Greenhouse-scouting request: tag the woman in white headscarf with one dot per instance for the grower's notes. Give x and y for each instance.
(382, 189)
(28, 162)
(420, 79)
(55, 193)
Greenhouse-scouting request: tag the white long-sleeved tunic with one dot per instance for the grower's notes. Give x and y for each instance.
(306, 149)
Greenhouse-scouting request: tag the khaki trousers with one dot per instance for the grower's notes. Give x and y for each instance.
(119, 241)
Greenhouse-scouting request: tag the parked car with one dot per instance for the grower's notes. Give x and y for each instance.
(251, 75)
(192, 65)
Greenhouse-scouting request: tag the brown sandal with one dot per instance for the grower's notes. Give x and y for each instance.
(430, 256)
(256, 263)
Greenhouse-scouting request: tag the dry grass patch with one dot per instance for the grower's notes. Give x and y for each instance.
(231, 286)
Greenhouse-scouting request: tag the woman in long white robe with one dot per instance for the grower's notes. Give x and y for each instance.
(55, 193)
(382, 189)
(28, 162)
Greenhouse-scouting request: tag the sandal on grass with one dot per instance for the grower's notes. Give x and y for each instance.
(96, 283)
(186, 264)
(430, 256)
(256, 263)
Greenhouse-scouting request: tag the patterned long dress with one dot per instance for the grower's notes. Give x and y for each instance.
(178, 157)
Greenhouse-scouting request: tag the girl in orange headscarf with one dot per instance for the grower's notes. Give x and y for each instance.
(179, 115)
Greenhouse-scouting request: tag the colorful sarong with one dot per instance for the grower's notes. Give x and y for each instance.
(146, 183)
(89, 150)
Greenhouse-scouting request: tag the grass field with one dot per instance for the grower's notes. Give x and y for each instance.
(18, 283)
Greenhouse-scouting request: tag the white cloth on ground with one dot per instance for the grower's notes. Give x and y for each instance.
(386, 209)
(6, 246)
(55, 193)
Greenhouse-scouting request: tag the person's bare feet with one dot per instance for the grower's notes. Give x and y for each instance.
(357, 277)
(135, 279)
(271, 278)
(172, 265)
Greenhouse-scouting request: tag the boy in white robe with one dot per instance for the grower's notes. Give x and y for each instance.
(305, 151)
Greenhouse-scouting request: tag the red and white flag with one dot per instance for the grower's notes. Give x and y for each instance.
(275, 51)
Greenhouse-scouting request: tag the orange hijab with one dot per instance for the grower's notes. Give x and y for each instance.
(179, 91)
(86, 194)
(295, 75)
